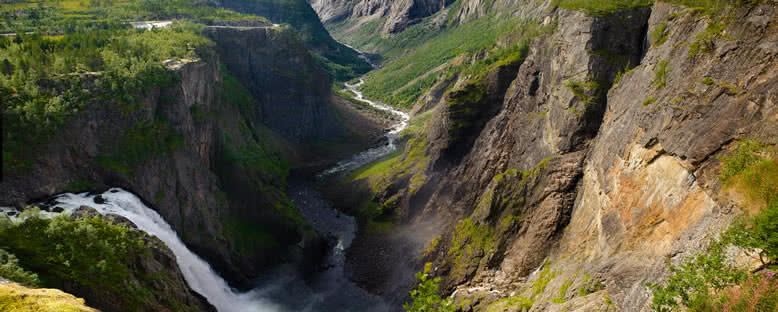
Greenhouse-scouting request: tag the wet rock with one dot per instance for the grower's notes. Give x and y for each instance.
(119, 220)
(11, 213)
(85, 212)
(57, 209)
(99, 199)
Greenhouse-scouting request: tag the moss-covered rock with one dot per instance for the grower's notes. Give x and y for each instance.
(114, 267)
(17, 298)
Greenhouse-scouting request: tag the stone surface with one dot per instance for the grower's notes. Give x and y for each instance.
(590, 180)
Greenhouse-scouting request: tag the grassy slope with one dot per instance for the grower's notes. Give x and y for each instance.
(340, 62)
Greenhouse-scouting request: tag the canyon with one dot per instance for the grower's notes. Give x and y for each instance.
(533, 156)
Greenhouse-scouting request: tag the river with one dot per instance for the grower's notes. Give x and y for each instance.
(378, 152)
(283, 289)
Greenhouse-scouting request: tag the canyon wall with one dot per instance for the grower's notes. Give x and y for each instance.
(590, 161)
(210, 155)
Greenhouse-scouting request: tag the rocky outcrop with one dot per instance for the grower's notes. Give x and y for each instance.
(15, 297)
(197, 153)
(276, 68)
(154, 270)
(399, 14)
(583, 175)
(300, 15)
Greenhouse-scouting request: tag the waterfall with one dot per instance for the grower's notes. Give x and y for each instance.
(198, 273)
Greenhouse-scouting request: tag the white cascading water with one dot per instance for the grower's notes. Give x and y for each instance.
(198, 273)
(375, 153)
(283, 291)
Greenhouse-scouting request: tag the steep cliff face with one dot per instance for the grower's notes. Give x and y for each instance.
(581, 169)
(197, 150)
(341, 62)
(276, 69)
(399, 14)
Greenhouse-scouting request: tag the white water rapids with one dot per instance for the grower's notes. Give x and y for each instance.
(283, 289)
(198, 273)
(375, 153)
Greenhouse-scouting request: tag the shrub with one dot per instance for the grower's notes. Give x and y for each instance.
(426, 296)
(85, 253)
(757, 294)
(10, 269)
(694, 283)
(659, 35)
(660, 75)
(707, 282)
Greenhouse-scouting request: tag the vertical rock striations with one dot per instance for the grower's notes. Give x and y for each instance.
(596, 157)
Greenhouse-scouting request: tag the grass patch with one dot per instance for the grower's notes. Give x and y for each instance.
(660, 75)
(469, 244)
(540, 284)
(752, 170)
(703, 41)
(602, 7)
(431, 246)
(512, 303)
(659, 35)
(563, 290)
(649, 101)
(432, 52)
(17, 298)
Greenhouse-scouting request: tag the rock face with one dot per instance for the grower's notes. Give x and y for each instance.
(277, 69)
(300, 15)
(399, 14)
(168, 288)
(569, 167)
(197, 149)
(15, 297)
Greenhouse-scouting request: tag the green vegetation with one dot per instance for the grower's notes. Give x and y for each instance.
(431, 246)
(399, 84)
(660, 34)
(11, 270)
(708, 81)
(464, 109)
(589, 286)
(539, 285)
(16, 298)
(47, 81)
(469, 244)
(627, 69)
(703, 42)
(77, 16)
(602, 7)
(696, 282)
(649, 101)
(563, 290)
(86, 253)
(709, 281)
(144, 140)
(511, 303)
(660, 75)
(426, 296)
(587, 92)
(607, 7)
(411, 162)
